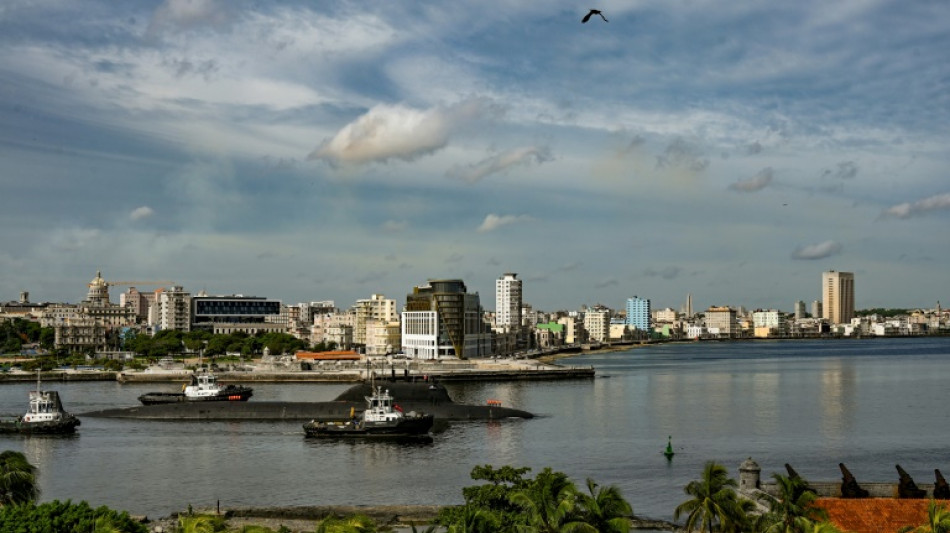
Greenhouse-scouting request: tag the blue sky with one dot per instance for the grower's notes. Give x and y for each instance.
(331, 150)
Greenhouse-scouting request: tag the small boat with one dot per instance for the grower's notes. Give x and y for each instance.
(203, 388)
(45, 415)
(382, 419)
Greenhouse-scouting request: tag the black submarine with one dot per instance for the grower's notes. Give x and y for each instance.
(426, 397)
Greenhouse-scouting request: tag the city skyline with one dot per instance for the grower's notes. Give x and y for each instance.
(330, 151)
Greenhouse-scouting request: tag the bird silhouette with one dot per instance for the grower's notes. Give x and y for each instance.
(592, 13)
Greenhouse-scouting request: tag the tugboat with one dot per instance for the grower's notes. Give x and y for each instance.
(45, 416)
(203, 388)
(382, 419)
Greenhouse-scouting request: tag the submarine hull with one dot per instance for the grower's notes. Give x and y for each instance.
(419, 397)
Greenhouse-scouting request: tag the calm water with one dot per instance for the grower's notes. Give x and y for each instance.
(868, 403)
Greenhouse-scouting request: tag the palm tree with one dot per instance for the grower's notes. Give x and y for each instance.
(200, 524)
(473, 520)
(714, 501)
(549, 503)
(17, 479)
(356, 523)
(794, 510)
(938, 520)
(605, 509)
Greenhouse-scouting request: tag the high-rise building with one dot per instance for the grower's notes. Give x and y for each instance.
(816, 309)
(799, 310)
(442, 319)
(638, 313)
(174, 309)
(837, 289)
(508, 302)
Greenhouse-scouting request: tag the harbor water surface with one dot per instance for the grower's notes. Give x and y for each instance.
(870, 404)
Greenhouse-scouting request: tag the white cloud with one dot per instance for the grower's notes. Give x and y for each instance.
(756, 183)
(398, 132)
(493, 221)
(141, 212)
(500, 163)
(817, 251)
(187, 14)
(907, 210)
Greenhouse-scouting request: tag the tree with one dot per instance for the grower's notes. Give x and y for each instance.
(493, 497)
(794, 510)
(17, 479)
(605, 509)
(714, 501)
(66, 516)
(938, 520)
(550, 503)
(202, 523)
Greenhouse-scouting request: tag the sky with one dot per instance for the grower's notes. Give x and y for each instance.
(316, 150)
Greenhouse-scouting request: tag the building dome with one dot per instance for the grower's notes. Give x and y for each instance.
(98, 291)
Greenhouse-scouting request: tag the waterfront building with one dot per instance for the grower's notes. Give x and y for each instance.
(376, 310)
(722, 322)
(769, 323)
(139, 302)
(234, 313)
(619, 330)
(816, 311)
(549, 335)
(382, 338)
(443, 320)
(837, 290)
(508, 303)
(638, 313)
(597, 324)
(574, 332)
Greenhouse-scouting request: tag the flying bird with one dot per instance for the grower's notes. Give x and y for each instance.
(592, 13)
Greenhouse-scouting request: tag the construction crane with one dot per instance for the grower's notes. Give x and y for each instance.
(113, 283)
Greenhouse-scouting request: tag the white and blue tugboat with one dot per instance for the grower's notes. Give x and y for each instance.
(203, 388)
(45, 415)
(382, 419)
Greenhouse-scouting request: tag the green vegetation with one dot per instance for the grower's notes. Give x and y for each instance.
(172, 343)
(17, 332)
(548, 503)
(883, 311)
(938, 520)
(17, 479)
(56, 516)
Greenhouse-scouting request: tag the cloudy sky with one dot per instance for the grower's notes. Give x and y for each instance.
(331, 150)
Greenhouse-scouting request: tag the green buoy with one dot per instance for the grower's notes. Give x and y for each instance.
(669, 453)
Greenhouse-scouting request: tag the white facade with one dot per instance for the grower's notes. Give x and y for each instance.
(420, 335)
(508, 302)
(174, 309)
(597, 324)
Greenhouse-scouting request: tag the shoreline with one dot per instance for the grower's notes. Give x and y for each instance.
(306, 518)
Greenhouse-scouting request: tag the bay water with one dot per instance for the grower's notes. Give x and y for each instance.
(867, 403)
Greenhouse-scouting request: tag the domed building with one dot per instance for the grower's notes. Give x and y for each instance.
(93, 324)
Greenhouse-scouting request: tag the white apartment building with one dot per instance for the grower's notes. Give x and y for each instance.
(508, 302)
(420, 335)
(597, 324)
(769, 323)
(174, 309)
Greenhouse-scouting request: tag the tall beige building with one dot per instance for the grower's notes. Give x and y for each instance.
(837, 289)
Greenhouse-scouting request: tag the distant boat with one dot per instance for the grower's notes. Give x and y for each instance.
(44, 416)
(203, 388)
(382, 419)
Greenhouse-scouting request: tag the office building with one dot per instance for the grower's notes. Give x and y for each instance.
(443, 320)
(837, 289)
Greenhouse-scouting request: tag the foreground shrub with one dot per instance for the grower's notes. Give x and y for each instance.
(63, 517)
